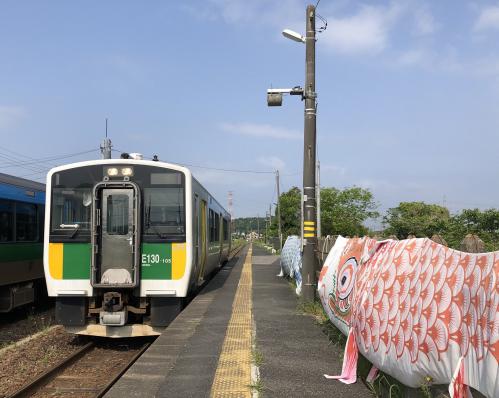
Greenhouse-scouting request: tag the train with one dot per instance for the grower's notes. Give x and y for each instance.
(127, 241)
(22, 210)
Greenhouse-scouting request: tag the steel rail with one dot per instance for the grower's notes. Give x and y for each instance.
(27, 389)
(122, 371)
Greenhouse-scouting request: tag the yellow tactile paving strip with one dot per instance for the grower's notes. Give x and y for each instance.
(233, 374)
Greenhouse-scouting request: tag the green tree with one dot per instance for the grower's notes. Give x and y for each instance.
(344, 212)
(416, 218)
(485, 224)
(290, 214)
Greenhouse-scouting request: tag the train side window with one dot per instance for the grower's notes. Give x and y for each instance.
(226, 229)
(6, 221)
(217, 227)
(26, 222)
(211, 223)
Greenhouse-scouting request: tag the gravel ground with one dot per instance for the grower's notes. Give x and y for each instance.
(23, 323)
(21, 362)
(86, 377)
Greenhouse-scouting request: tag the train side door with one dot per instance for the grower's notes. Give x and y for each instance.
(197, 238)
(202, 240)
(220, 237)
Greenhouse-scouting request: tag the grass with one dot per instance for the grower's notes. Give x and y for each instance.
(383, 385)
(257, 357)
(257, 386)
(49, 354)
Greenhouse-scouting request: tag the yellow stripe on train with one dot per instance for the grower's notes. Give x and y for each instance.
(178, 260)
(56, 256)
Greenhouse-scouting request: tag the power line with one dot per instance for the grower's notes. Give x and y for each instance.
(215, 168)
(49, 159)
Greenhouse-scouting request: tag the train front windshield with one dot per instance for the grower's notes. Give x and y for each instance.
(162, 197)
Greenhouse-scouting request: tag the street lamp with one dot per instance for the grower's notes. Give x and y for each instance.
(308, 94)
(291, 34)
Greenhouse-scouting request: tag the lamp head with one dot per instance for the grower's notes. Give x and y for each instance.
(290, 34)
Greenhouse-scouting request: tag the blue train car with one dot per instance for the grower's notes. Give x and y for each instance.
(22, 209)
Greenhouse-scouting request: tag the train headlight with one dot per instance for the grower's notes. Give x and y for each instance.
(112, 171)
(127, 171)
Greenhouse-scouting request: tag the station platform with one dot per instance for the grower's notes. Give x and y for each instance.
(241, 336)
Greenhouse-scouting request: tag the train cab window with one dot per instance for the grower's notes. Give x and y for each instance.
(26, 222)
(164, 211)
(6, 221)
(71, 210)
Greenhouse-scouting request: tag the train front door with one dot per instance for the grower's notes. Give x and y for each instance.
(117, 240)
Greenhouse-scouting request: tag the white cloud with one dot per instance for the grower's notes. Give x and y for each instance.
(234, 181)
(254, 12)
(425, 23)
(274, 162)
(361, 33)
(332, 169)
(488, 19)
(9, 115)
(414, 57)
(260, 130)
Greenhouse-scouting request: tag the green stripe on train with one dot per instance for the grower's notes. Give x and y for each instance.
(10, 252)
(156, 261)
(76, 261)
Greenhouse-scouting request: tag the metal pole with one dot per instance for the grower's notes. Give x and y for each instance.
(309, 211)
(266, 229)
(318, 196)
(278, 208)
(106, 146)
(258, 225)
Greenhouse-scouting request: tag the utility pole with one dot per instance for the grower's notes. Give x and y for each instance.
(231, 212)
(258, 225)
(270, 214)
(318, 196)
(309, 213)
(105, 147)
(278, 212)
(308, 203)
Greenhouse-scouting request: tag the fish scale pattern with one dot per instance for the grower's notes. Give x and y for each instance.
(417, 308)
(291, 262)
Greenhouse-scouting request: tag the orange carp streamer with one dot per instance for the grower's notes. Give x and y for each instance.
(418, 309)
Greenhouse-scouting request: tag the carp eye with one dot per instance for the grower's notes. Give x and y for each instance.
(346, 277)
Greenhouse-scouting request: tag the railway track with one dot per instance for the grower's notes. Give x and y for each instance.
(90, 371)
(234, 252)
(87, 373)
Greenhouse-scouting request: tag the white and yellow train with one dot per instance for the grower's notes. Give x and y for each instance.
(126, 241)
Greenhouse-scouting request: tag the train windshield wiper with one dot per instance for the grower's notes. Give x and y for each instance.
(74, 227)
(157, 231)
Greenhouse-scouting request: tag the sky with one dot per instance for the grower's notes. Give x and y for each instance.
(408, 93)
